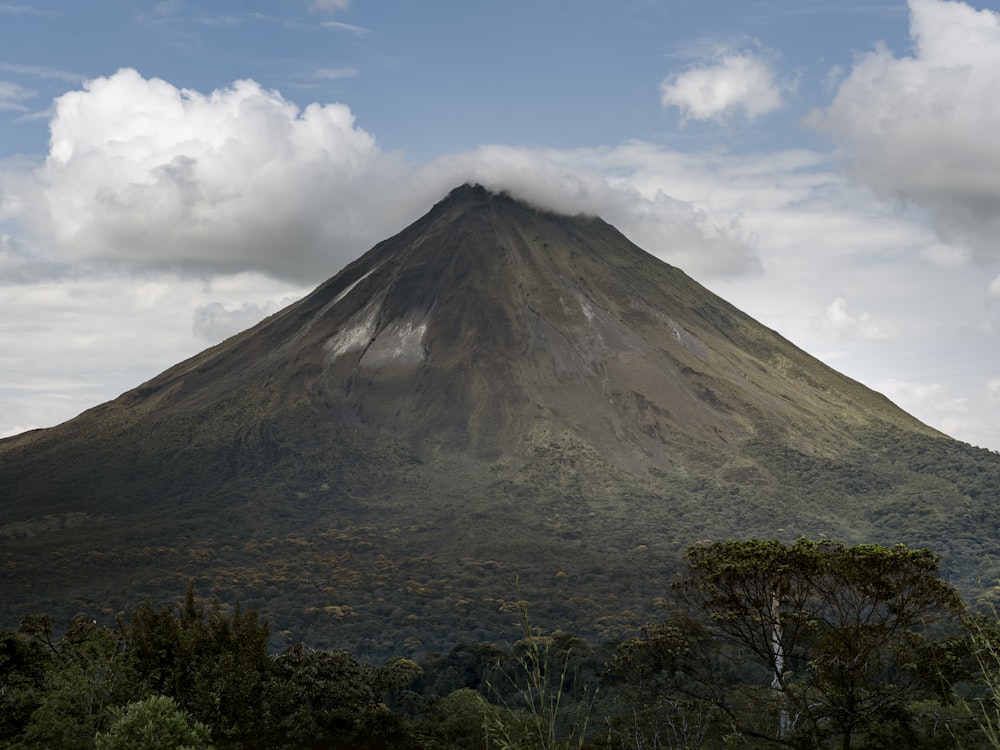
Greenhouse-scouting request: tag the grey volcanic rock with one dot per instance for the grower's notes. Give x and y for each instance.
(497, 393)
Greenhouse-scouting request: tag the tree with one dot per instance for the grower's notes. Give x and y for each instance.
(328, 698)
(674, 684)
(837, 630)
(87, 674)
(155, 723)
(214, 664)
(23, 664)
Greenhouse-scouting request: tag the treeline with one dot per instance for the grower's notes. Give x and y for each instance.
(763, 644)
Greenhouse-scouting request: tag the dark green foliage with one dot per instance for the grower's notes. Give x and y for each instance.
(839, 632)
(23, 664)
(329, 699)
(154, 723)
(214, 664)
(467, 665)
(861, 647)
(88, 672)
(675, 684)
(320, 694)
(456, 721)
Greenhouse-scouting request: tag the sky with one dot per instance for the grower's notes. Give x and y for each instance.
(172, 172)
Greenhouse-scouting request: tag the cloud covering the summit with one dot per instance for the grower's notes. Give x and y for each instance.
(141, 173)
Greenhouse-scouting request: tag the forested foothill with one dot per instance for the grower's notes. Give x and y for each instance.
(761, 644)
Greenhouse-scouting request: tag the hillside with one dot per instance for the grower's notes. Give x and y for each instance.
(495, 398)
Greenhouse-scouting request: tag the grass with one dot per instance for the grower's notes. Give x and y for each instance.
(538, 716)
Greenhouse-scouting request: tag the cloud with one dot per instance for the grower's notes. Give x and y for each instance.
(12, 94)
(24, 10)
(922, 128)
(18, 266)
(340, 26)
(330, 74)
(964, 412)
(736, 82)
(89, 335)
(839, 323)
(994, 288)
(330, 5)
(40, 71)
(11, 256)
(699, 240)
(214, 322)
(142, 174)
(901, 391)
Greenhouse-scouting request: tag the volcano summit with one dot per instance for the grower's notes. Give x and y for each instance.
(496, 397)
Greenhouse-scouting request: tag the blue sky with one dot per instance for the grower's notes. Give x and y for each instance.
(171, 172)
(433, 78)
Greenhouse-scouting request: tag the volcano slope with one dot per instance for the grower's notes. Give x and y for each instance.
(498, 402)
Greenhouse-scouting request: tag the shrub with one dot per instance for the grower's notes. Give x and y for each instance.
(156, 723)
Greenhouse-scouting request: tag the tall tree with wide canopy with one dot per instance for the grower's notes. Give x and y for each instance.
(844, 633)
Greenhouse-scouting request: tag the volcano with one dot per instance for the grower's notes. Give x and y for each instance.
(498, 402)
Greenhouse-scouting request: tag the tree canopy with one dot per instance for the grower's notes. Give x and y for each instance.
(763, 645)
(842, 633)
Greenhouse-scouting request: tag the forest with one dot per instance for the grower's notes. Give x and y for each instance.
(762, 644)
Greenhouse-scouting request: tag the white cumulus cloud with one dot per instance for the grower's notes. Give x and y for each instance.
(735, 82)
(142, 172)
(921, 128)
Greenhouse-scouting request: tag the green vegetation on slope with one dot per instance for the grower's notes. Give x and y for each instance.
(496, 392)
(807, 645)
(390, 550)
